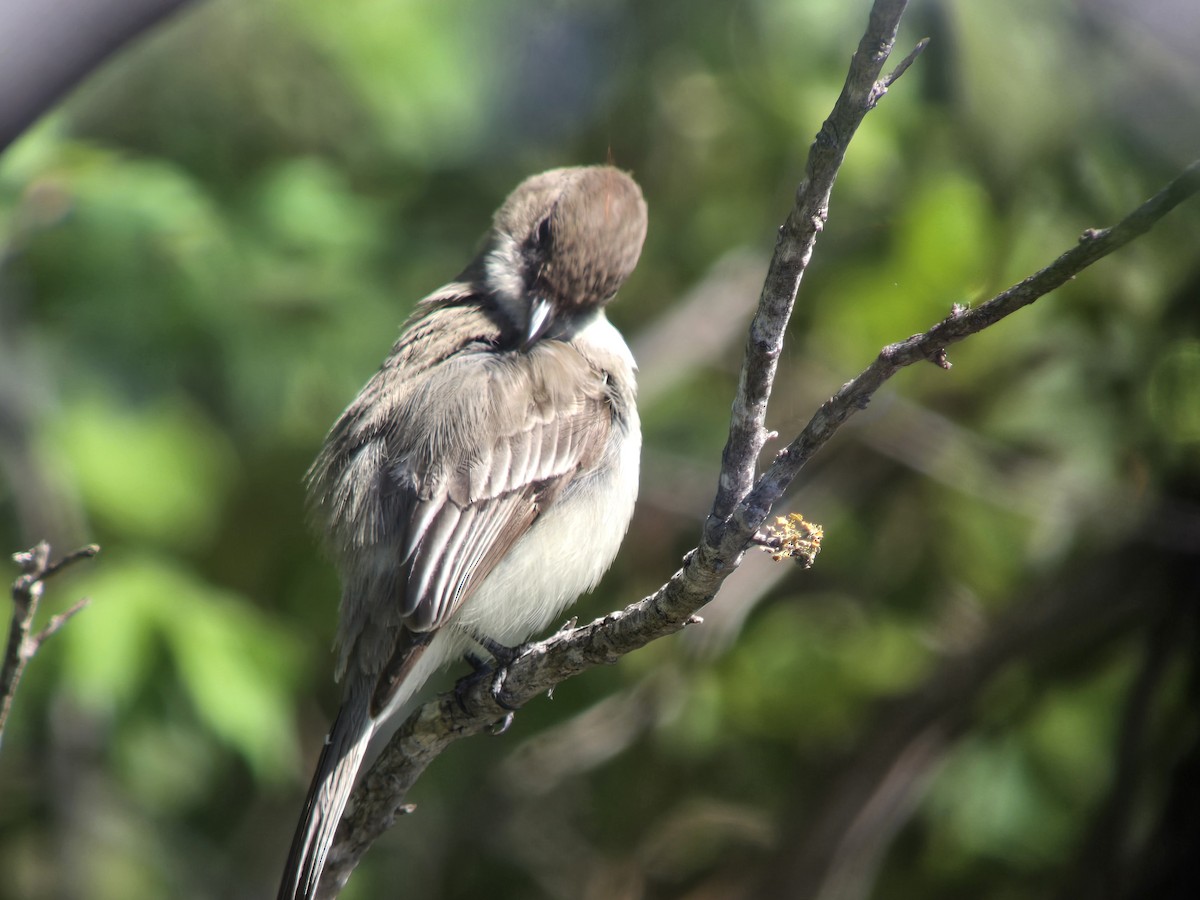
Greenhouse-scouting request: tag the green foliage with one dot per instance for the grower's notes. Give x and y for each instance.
(152, 475)
(212, 244)
(234, 666)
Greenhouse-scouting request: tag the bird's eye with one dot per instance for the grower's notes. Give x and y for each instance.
(543, 232)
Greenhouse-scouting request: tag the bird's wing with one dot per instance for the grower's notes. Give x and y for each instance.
(509, 433)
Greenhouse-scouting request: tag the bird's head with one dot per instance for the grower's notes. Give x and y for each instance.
(563, 243)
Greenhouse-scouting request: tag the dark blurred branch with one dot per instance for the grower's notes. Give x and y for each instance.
(737, 515)
(26, 594)
(1104, 860)
(48, 48)
(1165, 865)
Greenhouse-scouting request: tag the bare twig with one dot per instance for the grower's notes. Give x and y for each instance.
(1103, 867)
(27, 591)
(57, 621)
(916, 51)
(793, 250)
(1093, 245)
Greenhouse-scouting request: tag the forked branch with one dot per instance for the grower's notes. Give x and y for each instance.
(27, 591)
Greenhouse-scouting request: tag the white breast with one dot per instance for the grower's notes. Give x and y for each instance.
(572, 544)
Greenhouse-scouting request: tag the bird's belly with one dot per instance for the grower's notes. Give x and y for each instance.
(563, 554)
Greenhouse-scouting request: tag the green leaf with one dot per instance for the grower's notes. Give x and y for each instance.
(159, 473)
(231, 661)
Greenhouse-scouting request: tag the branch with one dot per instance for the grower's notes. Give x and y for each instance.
(27, 593)
(1094, 244)
(793, 250)
(46, 49)
(742, 504)
(379, 797)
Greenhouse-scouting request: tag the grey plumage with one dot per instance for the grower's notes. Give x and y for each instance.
(485, 476)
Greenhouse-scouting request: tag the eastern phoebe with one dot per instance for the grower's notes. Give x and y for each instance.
(486, 475)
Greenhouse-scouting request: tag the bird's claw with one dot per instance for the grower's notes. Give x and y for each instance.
(498, 695)
(504, 656)
(497, 670)
(480, 671)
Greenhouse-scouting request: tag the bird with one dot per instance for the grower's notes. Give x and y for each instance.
(486, 475)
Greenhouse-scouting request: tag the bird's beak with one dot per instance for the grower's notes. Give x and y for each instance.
(540, 319)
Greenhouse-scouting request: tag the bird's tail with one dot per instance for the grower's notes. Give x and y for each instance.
(327, 795)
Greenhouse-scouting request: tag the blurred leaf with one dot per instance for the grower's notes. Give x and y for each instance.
(986, 802)
(1174, 395)
(307, 206)
(234, 665)
(106, 662)
(1074, 730)
(886, 658)
(238, 670)
(159, 473)
(167, 765)
(408, 63)
(824, 644)
(937, 260)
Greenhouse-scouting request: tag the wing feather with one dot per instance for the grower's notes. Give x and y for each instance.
(500, 470)
(435, 603)
(423, 569)
(506, 458)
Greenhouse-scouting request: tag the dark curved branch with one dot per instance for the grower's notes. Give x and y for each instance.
(48, 48)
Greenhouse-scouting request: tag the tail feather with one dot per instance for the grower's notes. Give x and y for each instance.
(366, 706)
(327, 796)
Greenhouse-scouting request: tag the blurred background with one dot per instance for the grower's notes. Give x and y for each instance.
(987, 685)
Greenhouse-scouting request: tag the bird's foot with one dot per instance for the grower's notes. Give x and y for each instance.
(481, 671)
(503, 655)
(496, 670)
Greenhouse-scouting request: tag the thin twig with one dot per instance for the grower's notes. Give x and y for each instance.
(85, 552)
(916, 51)
(57, 621)
(793, 250)
(27, 592)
